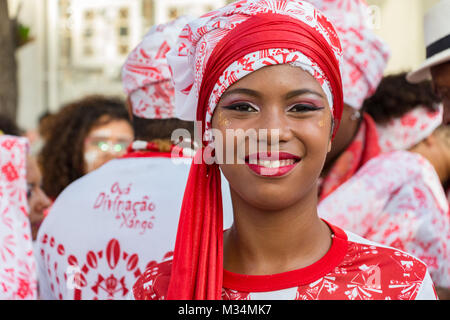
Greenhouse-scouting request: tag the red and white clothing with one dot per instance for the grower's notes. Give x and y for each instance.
(365, 54)
(363, 148)
(107, 227)
(392, 199)
(146, 76)
(352, 269)
(410, 129)
(18, 279)
(397, 199)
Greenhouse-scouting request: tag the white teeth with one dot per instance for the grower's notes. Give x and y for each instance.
(276, 163)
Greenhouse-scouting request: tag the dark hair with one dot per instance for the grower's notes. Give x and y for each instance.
(9, 127)
(62, 158)
(159, 129)
(395, 97)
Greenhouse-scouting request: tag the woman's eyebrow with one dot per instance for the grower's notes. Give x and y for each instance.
(300, 92)
(245, 91)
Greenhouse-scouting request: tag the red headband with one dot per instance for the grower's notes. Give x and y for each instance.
(197, 270)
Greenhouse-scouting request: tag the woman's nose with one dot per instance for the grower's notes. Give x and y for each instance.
(277, 124)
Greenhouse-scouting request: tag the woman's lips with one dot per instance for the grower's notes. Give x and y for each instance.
(272, 164)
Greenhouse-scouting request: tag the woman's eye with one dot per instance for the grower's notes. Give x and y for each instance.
(304, 108)
(243, 107)
(30, 188)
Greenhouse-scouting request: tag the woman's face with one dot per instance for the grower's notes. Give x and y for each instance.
(292, 102)
(38, 201)
(106, 142)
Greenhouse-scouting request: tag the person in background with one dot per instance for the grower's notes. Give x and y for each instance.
(365, 59)
(38, 202)
(83, 135)
(436, 149)
(400, 205)
(404, 204)
(404, 113)
(407, 116)
(437, 63)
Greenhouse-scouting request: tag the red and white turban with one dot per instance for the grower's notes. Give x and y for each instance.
(202, 38)
(365, 54)
(146, 75)
(213, 52)
(18, 278)
(407, 131)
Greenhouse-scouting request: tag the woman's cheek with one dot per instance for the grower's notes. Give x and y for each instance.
(223, 121)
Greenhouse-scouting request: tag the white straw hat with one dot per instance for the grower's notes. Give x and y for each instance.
(437, 41)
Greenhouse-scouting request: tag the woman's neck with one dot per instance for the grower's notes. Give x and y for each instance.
(262, 242)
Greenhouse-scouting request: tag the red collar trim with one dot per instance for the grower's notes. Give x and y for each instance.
(291, 279)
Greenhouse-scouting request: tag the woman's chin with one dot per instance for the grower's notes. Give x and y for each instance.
(271, 198)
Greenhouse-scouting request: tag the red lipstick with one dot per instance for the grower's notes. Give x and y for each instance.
(275, 164)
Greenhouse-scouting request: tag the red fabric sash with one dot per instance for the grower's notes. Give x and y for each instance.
(363, 148)
(197, 270)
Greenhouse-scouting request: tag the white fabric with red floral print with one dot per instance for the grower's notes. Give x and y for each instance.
(146, 76)
(18, 279)
(410, 129)
(396, 199)
(365, 54)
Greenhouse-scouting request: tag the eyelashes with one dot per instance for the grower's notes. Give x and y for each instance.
(301, 108)
(241, 107)
(297, 108)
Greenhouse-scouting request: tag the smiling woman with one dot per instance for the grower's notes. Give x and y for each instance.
(294, 106)
(272, 67)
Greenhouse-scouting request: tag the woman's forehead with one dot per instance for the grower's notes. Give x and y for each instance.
(282, 80)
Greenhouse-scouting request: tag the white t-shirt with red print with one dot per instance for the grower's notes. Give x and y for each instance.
(352, 269)
(106, 228)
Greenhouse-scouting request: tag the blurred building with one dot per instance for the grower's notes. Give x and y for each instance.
(400, 24)
(80, 45)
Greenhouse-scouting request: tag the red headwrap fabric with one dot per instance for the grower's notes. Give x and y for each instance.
(266, 31)
(197, 270)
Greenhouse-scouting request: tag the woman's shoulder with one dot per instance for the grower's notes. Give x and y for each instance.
(398, 274)
(154, 282)
(398, 264)
(373, 251)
